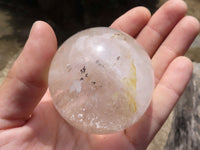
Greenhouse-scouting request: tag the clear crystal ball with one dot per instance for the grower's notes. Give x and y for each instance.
(101, 80)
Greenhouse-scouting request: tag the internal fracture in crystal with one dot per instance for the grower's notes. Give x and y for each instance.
(101, 80)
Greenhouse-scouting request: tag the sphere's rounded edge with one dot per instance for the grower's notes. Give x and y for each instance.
(86, 129)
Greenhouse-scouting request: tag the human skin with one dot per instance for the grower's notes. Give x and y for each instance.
(28, 119)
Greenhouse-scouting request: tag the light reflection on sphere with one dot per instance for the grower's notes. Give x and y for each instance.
(101, 80)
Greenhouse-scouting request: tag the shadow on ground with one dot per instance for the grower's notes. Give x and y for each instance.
(66, 16)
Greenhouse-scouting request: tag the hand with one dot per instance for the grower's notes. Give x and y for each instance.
(28, 119)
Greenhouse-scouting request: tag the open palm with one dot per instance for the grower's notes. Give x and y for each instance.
(28, 119)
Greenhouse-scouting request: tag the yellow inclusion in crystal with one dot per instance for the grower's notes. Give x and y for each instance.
(130, 83)
(119, 36)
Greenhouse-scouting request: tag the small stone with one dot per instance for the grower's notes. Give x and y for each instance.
(107, 84)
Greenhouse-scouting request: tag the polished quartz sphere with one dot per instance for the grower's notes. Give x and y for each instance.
(101, 80)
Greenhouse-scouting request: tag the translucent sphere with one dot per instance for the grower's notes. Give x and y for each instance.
(101, 80)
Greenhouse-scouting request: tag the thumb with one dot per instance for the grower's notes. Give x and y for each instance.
(26, 82)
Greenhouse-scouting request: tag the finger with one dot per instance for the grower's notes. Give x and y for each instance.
(165, 96)
(27, 80)
(176, 44)
(132, 21)
(160, 25)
